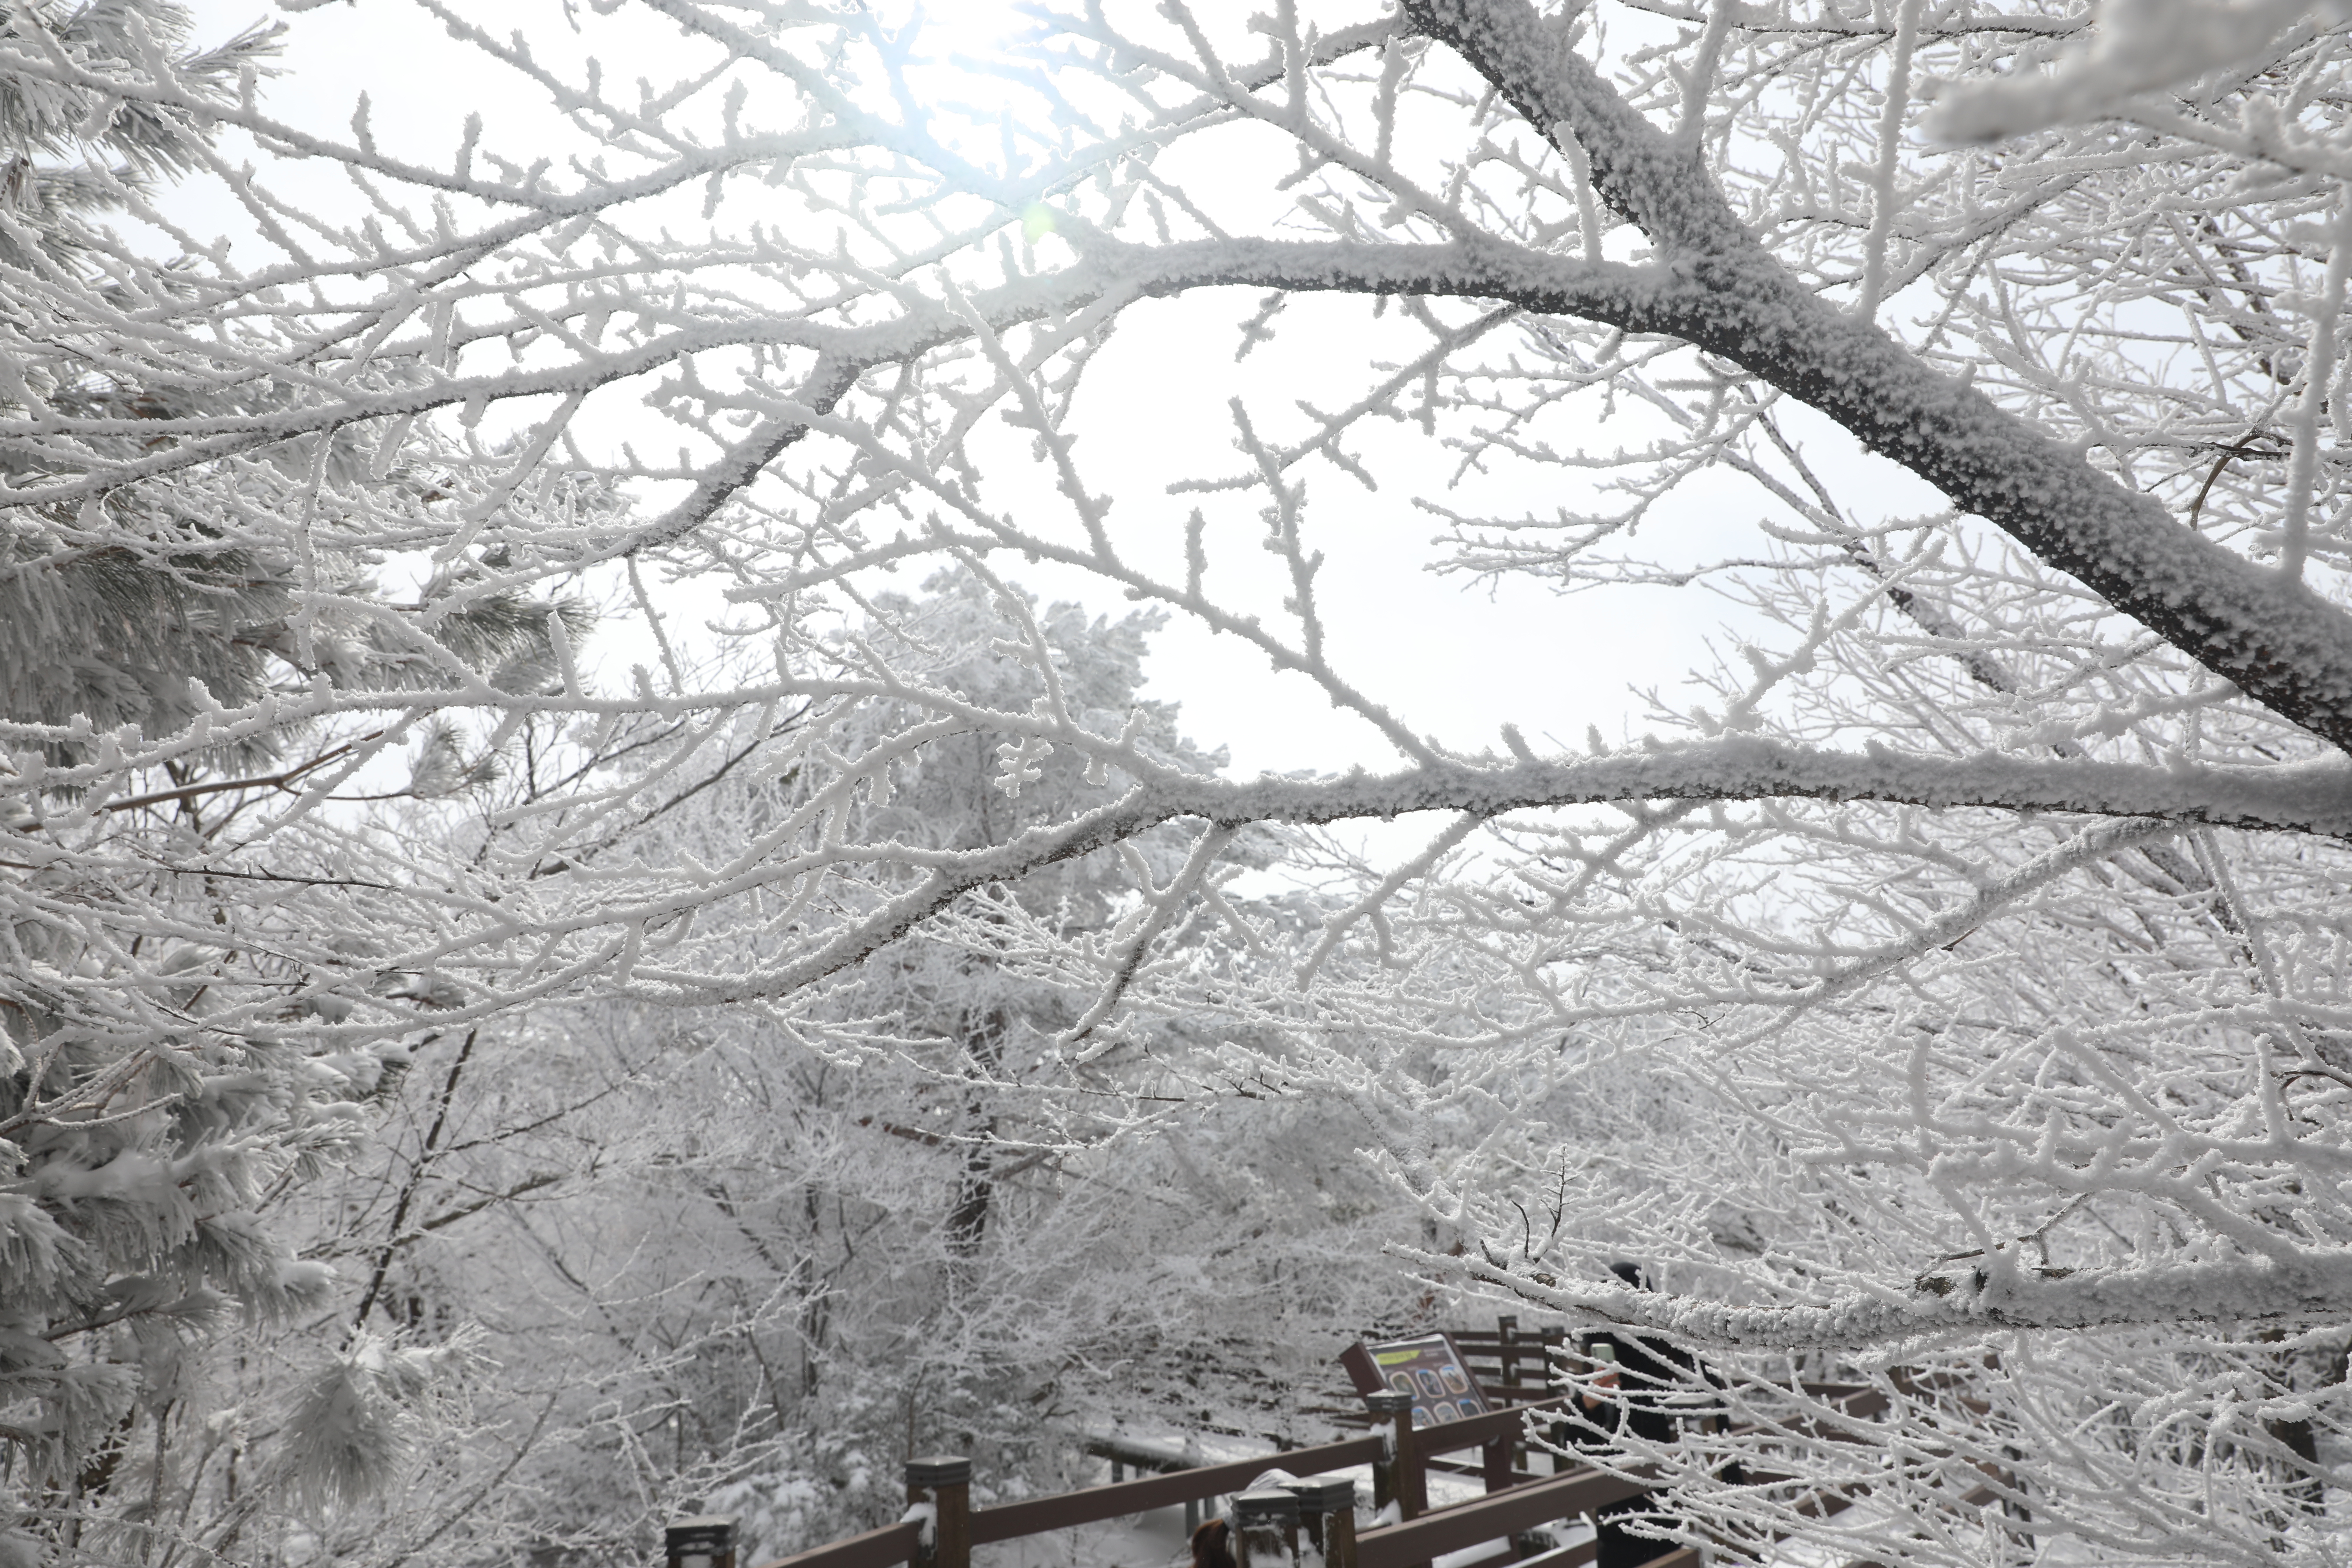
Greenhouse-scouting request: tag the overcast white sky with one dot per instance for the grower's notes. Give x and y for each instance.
(1453, 658)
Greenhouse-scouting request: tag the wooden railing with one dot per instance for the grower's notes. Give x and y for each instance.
(941, 1528)
(1035, 1516)
(1498, 1516)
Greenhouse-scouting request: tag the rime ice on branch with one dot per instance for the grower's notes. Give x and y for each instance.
(1969, 965)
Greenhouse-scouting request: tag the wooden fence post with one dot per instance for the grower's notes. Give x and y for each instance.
(1555, 1361)
(1327, 1508)
(1408, 1480)
(1499, 1472)
(1265, 1528)
(1384, 1470)
(704, 1540)
(1495, 1461)
(944, 1480)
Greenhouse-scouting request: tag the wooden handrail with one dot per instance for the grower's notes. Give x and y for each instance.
(1488, 1342)
(1500, 1514)
(1477, 1431)
(1496, 1515)
(883, 1548)
(1574, 1556)
(1034, 1516)
(1505, 1511)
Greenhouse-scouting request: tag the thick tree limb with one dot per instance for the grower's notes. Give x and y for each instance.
(1968, 1298)
(2273, 638)
(2307, 798)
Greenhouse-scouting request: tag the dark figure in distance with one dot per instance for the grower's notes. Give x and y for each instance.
(1649, 1373)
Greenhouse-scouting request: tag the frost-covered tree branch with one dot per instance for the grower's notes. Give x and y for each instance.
(581, 556)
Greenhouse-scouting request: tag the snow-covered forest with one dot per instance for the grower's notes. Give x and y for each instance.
(622, 892)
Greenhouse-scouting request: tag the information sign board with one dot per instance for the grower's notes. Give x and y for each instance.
(1427, 1366)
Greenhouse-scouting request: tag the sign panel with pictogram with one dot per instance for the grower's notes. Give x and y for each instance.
(1427, 1367)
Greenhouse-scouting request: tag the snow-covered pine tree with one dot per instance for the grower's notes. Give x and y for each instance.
(156, 1097)
(109, 630)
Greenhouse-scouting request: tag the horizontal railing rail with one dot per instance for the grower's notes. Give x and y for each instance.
(1497, 1516)
(1477, 1431)
(1034, 1516)
(1141, 1456)
(884, 1548)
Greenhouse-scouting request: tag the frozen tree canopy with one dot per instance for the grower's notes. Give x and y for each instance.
(609, 554)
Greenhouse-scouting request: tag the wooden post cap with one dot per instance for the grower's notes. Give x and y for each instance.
(939, 1471)
(709, 1537)
(1323, 1494)
(1273, 1506)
